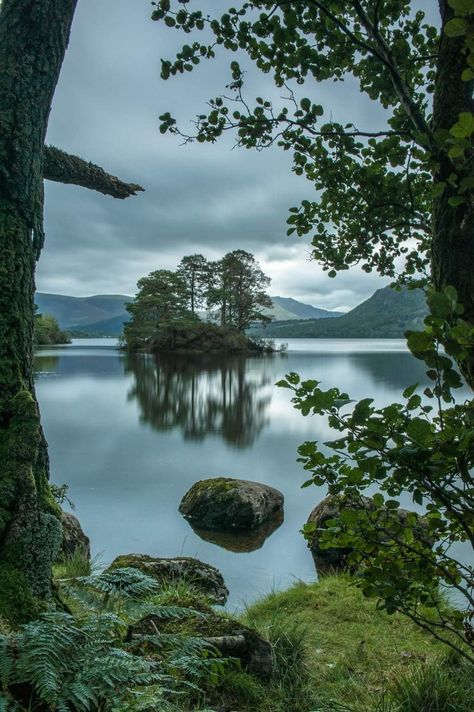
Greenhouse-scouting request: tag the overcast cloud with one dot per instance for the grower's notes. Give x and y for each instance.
(199, 198)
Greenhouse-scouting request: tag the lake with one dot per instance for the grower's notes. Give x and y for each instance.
(131, 435)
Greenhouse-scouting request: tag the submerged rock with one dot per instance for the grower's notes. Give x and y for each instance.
(241, 541)
(203, 577)
(329, 560)
(227, 504)
(74, 538)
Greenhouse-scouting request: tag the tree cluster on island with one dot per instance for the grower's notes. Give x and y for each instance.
(202, 306)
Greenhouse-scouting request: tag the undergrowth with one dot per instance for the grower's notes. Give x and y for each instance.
(333, 652)
(85, 660)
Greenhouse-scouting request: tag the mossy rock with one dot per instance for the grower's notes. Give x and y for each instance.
(227, 504)
(203, 577)
(231, 637)
(333, 560)
(74, 537)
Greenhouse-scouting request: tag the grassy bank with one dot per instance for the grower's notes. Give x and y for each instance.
(126, 642)
(336, 652)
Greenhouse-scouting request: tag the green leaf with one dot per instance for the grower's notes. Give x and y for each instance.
(439, 304)
(420, 431)
(462, 7)
(456, 27)
(456, 200)
(408, 392)
(419, 342)
(283, 384)
(362, 410)
(464, 126)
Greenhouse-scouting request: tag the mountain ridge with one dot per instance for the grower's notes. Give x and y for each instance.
(386, 314)
(105, 314)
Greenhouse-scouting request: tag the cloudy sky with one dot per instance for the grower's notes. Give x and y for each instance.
(199, 198)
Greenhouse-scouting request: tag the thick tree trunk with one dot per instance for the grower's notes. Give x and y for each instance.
(33, 39)
(453, 226)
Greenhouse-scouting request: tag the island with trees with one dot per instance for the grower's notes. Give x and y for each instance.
(202, 306)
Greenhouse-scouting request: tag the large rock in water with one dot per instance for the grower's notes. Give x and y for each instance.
(203, 577)
(74, 538)
(328, 560)
(226, 504)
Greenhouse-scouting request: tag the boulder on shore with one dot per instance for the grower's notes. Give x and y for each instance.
(329, 560)
(227, 504)
(74, 538)
(203, 577)
(229, 636)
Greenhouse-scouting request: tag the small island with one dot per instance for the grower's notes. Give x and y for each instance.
(202, 306)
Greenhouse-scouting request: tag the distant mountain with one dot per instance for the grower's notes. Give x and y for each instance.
(285, 308)
(386, 314)
(105, 314)
(76, 313)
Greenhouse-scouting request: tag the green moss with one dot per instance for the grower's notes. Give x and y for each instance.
(17, 603)
(213, 504)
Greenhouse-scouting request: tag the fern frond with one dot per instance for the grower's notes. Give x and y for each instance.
(127, 583)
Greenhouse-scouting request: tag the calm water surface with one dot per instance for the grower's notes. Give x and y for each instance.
(131, 435)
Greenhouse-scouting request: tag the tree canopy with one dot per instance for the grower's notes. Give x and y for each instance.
(396, 197)
(390, 197)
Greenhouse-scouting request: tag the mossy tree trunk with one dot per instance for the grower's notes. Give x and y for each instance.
(453, 225)
(33, 39)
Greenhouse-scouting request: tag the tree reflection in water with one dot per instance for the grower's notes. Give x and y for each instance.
(203, 394)
(44, 363)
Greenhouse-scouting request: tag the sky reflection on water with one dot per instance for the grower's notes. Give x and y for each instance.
(130, 436)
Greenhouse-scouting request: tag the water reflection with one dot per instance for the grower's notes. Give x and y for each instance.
(202, 394)
(241, 542)
(44, 363)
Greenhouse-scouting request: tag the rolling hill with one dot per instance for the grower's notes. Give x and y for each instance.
(105, 314)
(80, 312)
(285, 308)
(386, 314)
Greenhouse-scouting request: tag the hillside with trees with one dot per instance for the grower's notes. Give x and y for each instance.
(47, 331)
(202, 306)
(387, 314)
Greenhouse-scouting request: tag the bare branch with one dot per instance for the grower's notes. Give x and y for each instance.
(63, 167)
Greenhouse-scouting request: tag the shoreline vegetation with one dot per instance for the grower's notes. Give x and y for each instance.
(47, 331)
(200, 337)
(332, 649)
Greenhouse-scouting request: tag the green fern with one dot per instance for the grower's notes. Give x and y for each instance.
(82, 663)
(122, 583)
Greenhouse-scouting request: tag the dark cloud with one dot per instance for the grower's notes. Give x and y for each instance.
(207, 199)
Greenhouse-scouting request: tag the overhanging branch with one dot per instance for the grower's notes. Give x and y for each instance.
(62, 167)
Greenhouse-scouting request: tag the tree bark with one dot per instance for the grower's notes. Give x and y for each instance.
(33, 40)
(453, 226)
(64, 168)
